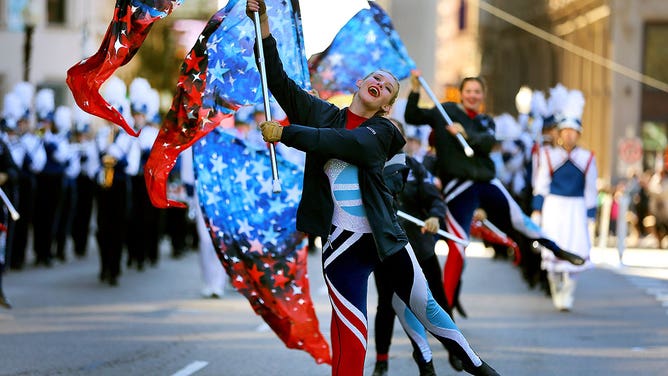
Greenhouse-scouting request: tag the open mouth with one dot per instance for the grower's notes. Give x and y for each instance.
(374, 91)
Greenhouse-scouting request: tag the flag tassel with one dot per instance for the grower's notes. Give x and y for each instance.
(276, 183)
(12, 210)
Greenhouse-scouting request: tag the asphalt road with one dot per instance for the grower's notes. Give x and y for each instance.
(64, 322)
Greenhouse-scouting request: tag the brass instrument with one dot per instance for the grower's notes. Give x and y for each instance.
(108, 163)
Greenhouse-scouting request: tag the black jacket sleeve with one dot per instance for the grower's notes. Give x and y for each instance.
(365, 146)
(300, 106)
(414, 114)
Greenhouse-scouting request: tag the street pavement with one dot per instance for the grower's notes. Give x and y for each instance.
(64, 322)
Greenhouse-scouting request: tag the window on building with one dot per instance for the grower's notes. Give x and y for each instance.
(654, 112)
(55, 10)
(656, 53)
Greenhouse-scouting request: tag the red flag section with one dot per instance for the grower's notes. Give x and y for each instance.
(129, 27)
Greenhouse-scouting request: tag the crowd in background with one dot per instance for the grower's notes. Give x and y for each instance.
(72, 181)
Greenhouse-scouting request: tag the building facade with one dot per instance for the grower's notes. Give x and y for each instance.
(612, 50)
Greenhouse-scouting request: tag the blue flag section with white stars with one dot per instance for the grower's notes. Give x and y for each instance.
(255, 234)
(218, 76)
(233, 79)
(367, 42)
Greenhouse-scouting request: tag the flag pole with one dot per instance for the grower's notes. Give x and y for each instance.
(440, 232)
(467, 149)
(276, 183)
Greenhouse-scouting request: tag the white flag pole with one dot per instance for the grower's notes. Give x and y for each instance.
(276, 183)
(467, 149)
(440, 232)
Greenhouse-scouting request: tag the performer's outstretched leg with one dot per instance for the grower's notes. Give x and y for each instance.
(502, 208)
(411, 287)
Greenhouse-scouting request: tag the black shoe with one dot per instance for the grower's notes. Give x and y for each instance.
(113, 281)
(103, 276)
(427, 369)
(460, 309)
(4, 302)
(568, 256)
(483, 370)
(455, 362)
(380, 369)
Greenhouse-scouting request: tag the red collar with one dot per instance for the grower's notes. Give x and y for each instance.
(353, 121)
(470, 113)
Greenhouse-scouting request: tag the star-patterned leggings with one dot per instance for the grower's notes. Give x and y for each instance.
(348, 260)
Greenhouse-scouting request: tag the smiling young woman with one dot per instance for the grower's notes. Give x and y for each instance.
(345, 201)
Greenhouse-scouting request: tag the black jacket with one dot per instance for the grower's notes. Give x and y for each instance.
(416, 195)
(324, 137)
(452, 162)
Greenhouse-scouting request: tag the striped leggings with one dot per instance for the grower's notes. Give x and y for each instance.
(348, 260)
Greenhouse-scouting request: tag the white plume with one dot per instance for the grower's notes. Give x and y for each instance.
(25, 92)
(82, 119)
(571, 112)
(153, 105)
(574, 105)
(12, 110)
(63, 119)
(507, 128)
(538, 104)
(140, 95)
(45, 103)
(115, 92)
(557, 100)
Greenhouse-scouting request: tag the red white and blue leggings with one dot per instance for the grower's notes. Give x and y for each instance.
(348, 260)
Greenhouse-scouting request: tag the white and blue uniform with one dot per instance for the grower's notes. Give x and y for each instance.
(565, 193)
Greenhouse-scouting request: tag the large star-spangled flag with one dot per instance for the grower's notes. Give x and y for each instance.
(364, 44)
(255, 234)
(218, 76)
(129, 27)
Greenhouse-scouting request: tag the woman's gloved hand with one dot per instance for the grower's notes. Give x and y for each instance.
(271, 131)
(430, 225)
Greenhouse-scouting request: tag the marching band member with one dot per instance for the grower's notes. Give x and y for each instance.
(86, 186)
(143, 230)
(565, 197)
(30, 156)
(119, 157)
(49, 194)
(63, 126)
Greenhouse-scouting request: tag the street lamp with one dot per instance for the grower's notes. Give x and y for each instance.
(523, 105)
(33, 14)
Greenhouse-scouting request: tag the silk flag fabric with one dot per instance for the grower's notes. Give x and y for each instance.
(365, 43)
(129, 27)
(255, 234)
(218, 76)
